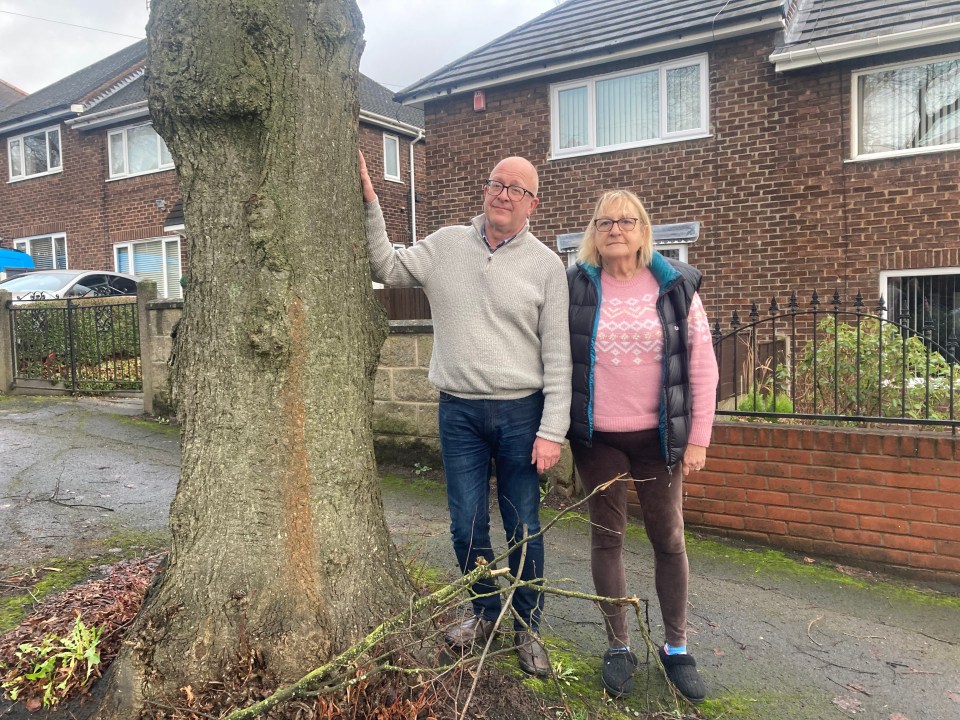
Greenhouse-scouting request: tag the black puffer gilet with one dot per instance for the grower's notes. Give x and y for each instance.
(678, 282)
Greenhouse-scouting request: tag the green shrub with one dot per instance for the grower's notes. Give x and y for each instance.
(892, 378)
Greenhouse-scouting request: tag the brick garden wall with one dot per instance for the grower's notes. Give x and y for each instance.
(887, 498)
(781, 206)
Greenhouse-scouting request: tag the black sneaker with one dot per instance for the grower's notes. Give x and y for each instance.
(682, 671)
(617, 673)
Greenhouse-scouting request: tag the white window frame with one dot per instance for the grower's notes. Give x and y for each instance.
(25, 244)
(855, 155)
(590, 148)
(23, 164)
(395, 153)
(123, 132)
(132, 270)
(681, 247)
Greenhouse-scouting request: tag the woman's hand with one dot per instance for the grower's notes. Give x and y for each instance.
(694, 458)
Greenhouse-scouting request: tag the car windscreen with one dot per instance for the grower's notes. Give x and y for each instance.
(35, 282)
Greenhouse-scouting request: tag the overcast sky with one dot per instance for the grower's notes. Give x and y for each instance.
(406, 39)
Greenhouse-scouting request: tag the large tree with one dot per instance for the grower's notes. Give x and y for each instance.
(280, 548)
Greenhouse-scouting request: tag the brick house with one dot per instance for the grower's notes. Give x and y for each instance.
(90, 185)
(802, 144)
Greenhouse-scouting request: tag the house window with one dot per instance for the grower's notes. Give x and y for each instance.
(34, 154)
(157, 260)
(645, 106)
(391, 157)
(924, 300)
(49, 252)
(676, 251)
(907, 109)
(137, 150)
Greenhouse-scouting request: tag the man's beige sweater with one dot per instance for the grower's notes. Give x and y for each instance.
(499, 319)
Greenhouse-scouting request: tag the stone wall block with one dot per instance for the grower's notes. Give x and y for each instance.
(399, 351)
(413, 386)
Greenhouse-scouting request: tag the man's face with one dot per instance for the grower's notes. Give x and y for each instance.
(505, 217)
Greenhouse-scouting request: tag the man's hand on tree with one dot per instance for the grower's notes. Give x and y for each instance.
(366, 186)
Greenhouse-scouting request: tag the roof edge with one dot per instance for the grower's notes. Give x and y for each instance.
(37, 119)
(417, 98)
(107, 117)
(786, 60)
(390, 123)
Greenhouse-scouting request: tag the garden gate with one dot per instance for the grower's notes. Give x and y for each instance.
(85, 345)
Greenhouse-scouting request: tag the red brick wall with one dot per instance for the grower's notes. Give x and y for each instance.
(79, 201)
(879, 498)
(780, 206)
(395, 196)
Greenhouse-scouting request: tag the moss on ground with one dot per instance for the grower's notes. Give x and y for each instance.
(158, 424)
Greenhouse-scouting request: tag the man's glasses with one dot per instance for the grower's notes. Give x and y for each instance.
(514, 192)
(605, 225)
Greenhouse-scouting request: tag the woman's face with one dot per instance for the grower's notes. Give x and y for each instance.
(618, 243)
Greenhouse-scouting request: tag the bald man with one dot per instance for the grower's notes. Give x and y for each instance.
(501, 360)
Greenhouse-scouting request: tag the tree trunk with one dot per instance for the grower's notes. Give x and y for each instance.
(280, 547)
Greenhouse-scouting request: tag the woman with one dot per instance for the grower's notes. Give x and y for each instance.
(644, 388)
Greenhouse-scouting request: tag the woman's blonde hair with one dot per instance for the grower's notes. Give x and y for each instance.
(622, 200)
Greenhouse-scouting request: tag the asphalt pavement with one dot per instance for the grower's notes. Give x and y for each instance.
(775, 637)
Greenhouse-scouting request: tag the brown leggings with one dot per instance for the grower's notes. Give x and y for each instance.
(636, 455)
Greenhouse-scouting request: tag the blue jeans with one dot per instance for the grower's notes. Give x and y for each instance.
(472, 433)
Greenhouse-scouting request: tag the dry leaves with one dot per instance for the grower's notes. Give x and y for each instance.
(110, 603)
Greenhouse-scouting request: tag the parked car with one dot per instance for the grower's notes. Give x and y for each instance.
(55, 284)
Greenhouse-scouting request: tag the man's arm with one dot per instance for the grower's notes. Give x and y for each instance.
(407, 267)
(557, 368)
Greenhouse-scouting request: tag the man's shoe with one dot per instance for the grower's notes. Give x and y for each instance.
(464, 634)
(682, 671)
(617, 673)
(532, 653)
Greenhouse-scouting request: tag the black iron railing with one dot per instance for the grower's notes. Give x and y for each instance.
(835, 364)
(77, 345)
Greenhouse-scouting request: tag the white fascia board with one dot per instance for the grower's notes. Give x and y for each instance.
(666, 45)
(43, 119)
(823, 54)
(133, 111)
(389, 123)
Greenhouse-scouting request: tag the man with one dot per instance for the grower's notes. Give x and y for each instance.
(501, 360)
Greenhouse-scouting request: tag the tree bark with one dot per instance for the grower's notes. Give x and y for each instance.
(280, 548)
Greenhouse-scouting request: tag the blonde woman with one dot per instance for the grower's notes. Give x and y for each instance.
(644, 387)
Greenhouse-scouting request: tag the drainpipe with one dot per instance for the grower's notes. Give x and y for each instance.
(413, 190)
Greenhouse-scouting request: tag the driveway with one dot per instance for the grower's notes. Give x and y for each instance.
(775, 638)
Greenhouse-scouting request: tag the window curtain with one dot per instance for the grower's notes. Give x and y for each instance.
(910, 107)
(628, 108)
(573, 118)
(683, 98)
